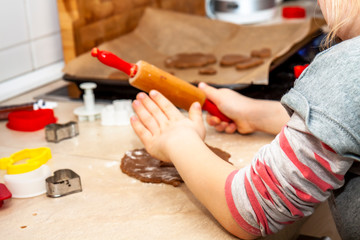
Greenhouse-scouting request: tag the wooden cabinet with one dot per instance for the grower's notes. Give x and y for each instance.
(88, 23)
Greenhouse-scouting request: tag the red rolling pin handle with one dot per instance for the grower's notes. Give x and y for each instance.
(114, 61)
(211, 108)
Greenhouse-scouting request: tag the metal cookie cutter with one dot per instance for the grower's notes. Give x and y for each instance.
(57, 132)
(64, 182)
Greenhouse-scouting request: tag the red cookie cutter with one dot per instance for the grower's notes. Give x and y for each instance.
(29, 121)
(4, 194)
(293, 12)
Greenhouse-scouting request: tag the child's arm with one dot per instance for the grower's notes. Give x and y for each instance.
(286, 179)
(168, 135)
(249, 115)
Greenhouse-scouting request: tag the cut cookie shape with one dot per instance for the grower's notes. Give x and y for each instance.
(189, 60)
(262, 53)
(233, 59)
(207, 71)
(253, 62)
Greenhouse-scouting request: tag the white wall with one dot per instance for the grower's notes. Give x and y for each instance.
(30, 45)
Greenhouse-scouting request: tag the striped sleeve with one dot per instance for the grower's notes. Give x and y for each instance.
(285, 181)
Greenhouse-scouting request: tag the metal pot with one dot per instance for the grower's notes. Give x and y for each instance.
(241, 11)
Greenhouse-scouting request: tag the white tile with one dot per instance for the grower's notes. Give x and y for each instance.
(32, 80)
(47, 50)
(42, 17)
(13, 26)
(15, 61)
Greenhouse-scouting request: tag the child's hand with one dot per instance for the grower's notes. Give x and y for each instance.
(161, 126)
(233, 105)
(249, 115)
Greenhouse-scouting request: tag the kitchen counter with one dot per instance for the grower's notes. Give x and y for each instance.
(112, 205)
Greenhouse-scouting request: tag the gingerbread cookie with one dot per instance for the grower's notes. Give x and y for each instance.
(207, 71)
(189, 60)
(140, 165)
(253, 62)
(262, 53)
(233, 59)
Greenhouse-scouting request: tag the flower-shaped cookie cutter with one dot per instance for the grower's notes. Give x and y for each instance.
(30, 121)
(34, 159)
(29, 184)
(64, 182)
(58, 132)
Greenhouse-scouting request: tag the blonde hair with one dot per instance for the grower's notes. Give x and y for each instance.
(339, 13)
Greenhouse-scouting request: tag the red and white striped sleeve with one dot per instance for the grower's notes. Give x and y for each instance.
(285, 181)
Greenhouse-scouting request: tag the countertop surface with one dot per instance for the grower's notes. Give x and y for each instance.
(112, 205)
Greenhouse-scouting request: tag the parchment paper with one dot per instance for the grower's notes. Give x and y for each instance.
(164, 33)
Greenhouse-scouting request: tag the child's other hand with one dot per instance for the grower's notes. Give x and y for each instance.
(161, 126)
(233, 105)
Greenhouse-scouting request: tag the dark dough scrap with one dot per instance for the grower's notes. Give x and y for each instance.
(140, 165)
(190, 60)
(253, 62)
(207, 71)
(233, 59)
(262, 53)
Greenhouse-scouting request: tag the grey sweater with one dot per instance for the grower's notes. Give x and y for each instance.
(327, 97)
(311, 155)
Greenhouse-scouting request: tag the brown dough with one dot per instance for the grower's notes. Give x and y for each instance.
(253, 62)
(207, 71)
(189, 60)
(140, 165)
(233, 59)
(262, 53)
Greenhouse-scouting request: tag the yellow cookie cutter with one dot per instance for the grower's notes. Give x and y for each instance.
(35, 158)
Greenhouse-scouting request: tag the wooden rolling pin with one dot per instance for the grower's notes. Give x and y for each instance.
(146, 77)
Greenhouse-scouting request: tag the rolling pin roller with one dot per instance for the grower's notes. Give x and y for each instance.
(146, 77)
